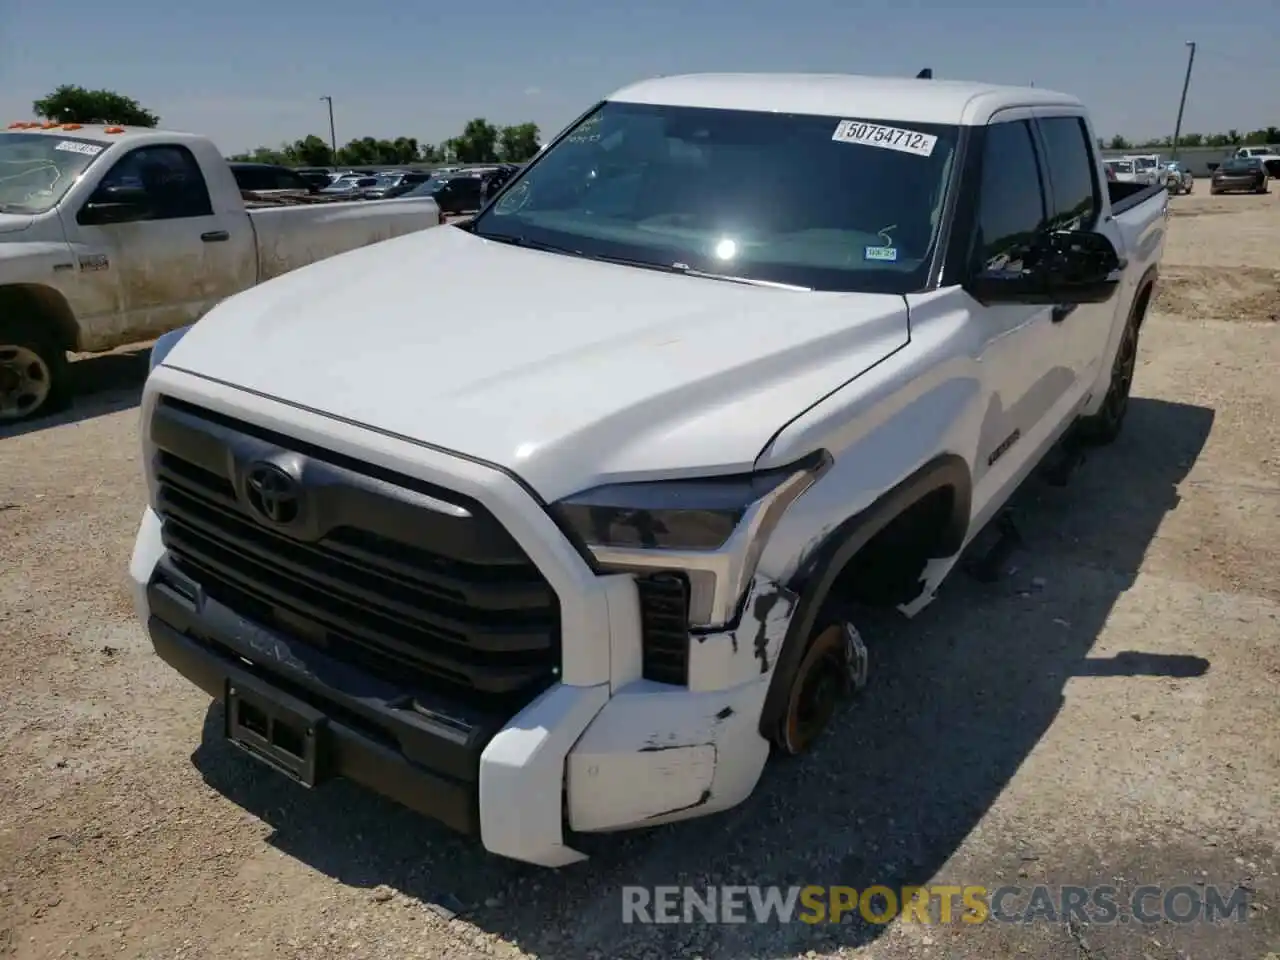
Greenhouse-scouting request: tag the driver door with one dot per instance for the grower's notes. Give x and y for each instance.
(165, 264)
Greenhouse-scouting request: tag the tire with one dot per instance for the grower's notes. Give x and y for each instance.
(34, 379)
(1104, 426)
(834, 667)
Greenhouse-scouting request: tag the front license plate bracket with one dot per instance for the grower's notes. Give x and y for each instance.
(277, 729)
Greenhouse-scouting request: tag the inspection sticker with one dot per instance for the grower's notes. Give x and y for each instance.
(880, 253)
(890, 138)
(75, 146)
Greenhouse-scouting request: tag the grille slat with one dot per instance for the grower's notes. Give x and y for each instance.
(664, 624)
(450, 598)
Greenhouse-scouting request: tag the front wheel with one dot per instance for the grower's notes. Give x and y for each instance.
(33, 371)
(834, 667)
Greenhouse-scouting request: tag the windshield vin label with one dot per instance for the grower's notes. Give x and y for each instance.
(888, 138)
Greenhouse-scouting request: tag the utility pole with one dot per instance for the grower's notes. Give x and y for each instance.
(333, 137)
(1177, 128)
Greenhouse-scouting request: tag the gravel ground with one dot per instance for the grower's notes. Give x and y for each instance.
(1104, 714)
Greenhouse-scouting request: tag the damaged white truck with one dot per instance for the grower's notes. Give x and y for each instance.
(112, 235)
(571, 552)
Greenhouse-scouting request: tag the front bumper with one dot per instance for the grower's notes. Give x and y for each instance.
(578, 758)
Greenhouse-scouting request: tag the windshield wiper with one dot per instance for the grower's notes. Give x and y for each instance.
(688, 271)
(526, 242)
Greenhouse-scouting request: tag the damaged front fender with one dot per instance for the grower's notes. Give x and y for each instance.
(723, 659)
(658, 753)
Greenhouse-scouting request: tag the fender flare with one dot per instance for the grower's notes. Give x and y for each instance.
(1146, 290)
(45, 303)
(812, 582)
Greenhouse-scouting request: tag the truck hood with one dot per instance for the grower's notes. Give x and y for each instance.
(567, 371)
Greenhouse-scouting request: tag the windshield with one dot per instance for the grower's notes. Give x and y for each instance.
(36, 169)
(1243, 165)
(1146, 163)
(826, 203)
(1122, 166)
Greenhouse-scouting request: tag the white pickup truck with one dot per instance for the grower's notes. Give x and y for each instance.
(111, 235)
(571, 552)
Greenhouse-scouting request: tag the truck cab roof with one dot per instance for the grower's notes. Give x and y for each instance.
(889, 98)
(104, 132)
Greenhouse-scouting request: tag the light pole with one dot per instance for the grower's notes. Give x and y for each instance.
(1177, 127)
(333, 137)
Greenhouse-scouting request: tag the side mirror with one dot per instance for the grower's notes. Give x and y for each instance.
(115, 204)
(1062, 267)
(1083, 267)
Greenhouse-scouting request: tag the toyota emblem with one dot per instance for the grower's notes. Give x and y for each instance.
(273, 494)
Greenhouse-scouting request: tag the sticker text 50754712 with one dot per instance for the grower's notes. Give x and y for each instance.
(888, 138)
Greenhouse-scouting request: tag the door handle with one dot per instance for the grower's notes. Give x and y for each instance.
(215, 236)
(1063, 310)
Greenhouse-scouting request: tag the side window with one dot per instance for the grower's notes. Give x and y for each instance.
(288, 180)
(1076, 202)
(1011, 212)
(249, 178)
(171, 178)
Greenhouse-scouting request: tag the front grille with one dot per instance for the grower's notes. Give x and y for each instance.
(409, 591)
(664, 627)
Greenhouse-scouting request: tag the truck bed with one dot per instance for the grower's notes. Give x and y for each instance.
(1126, 196)
(294, 235)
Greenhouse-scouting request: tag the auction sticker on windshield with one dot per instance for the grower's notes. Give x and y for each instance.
(889, 138)
(75, 146)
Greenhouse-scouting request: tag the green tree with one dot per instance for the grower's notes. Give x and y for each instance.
(518, 143)
(310, 151)
(1119, 143)
(478, 142)
(1191, 140)
(74, 104)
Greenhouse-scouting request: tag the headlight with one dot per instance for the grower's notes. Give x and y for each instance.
(162, 346)
(712, 530)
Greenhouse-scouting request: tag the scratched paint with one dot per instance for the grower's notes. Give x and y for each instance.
(723, 659)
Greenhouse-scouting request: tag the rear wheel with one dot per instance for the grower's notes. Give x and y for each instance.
(833, 668)
(1105, 425)
(33, 371)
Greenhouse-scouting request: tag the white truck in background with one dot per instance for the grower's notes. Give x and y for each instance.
(571, 552)
(111, 235)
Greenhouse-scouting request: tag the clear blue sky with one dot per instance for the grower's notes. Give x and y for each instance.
(249, 73)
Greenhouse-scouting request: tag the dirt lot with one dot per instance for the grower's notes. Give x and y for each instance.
(1105, 714)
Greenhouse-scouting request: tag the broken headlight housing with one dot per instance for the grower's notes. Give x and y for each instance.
(711, 530)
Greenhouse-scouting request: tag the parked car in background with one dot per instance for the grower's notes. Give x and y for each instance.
(318, 177)
(349, 185)
(1122, 171)
(1178, 178)
(271, 180)
(1268, 155)
(453, 193)
(564, 521)
(1240, 174)
(110, 235)
(1147, 167)
(392, 185)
